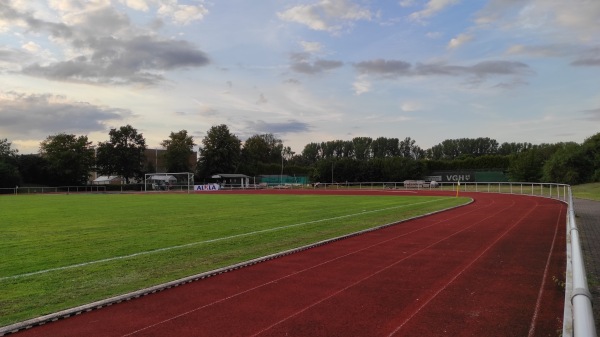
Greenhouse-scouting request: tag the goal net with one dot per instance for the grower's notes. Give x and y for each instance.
(174, 182)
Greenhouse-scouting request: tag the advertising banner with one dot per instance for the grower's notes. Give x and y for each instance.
(452, 176)
(207, 187)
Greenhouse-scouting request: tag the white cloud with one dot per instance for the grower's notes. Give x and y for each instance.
(434, 35)
(555, 20)
(407, 3)
(182, 14)
(77, 6)
(410, 106)
(311, 47)
(31, 47)
(459, 41)
(432, 8)
(326, 15)
(361, 85)
(305, 15)
(140, 5)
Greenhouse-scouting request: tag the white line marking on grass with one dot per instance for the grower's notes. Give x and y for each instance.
(203, 242)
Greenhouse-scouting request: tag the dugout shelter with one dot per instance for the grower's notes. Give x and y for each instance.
(227, 180)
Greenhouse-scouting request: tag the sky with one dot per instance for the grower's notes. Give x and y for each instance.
(304, 70)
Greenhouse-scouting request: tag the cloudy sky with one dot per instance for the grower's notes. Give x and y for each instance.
(304, 70)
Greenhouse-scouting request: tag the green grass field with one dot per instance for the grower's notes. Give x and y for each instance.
(587, 191)
(61, 251)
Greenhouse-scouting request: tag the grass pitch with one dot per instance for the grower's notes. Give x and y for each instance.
(61, 251)
(587, 191)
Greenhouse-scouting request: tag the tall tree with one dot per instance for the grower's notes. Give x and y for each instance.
(312, 153)
(180, 146)
(34, 169)
(220, 152)
(122, 154)
(70, 158)
(513, 148)
(262, 149)
(591, 149)
(379, 147)
(362, 147)
(568, 165)
(463, 147)
(9, 173)
(5, 150)
(287, 153)
(409, 149)
(527, 165)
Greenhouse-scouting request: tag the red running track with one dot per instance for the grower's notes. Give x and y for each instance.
(486, 269)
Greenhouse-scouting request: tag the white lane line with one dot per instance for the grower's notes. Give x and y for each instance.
(78, 265)
(544, 277)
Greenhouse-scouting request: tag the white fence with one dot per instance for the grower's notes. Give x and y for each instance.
(57, 189)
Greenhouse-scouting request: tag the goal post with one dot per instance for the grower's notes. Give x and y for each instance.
(173, 182)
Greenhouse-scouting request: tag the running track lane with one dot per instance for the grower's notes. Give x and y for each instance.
(486, 269)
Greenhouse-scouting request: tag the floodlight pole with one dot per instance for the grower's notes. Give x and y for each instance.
(281, 175)
(332, 171)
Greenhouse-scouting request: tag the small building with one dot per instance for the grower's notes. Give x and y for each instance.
(232, 180)
(108, 180)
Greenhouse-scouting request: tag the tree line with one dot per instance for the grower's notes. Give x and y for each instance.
(67, 159)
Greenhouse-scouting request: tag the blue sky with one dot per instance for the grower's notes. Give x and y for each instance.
(304, 70)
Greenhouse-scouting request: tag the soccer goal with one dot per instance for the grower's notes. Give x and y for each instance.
(174, 182)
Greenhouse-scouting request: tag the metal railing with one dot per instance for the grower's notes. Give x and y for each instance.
(55, 189)
(577, 296)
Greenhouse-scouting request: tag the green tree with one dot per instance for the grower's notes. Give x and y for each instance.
(220, 152)
(513, 148)
(312, 153)
(383, 147)
(568, 165)
(463, 147)
(9, 172)
(362, 147)
(34, 169)
(70, 158)
(527, 166)
(591, 150)
(262, 149)
(6, 152)
(122, 154)
(409, 149)
(180, 146)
